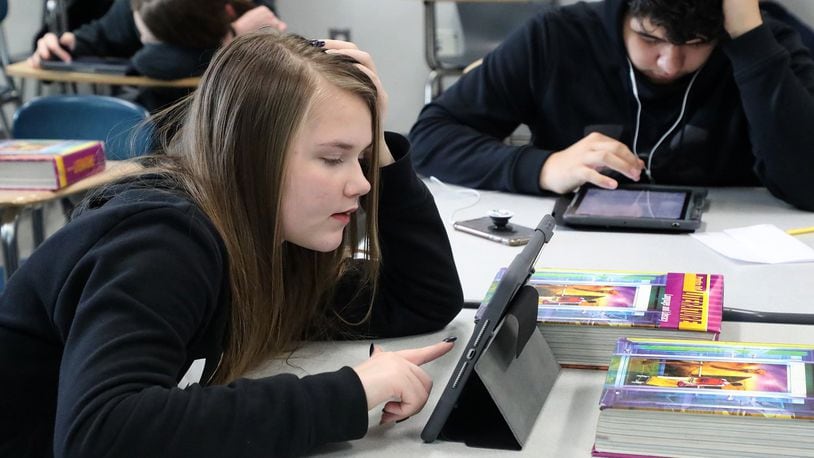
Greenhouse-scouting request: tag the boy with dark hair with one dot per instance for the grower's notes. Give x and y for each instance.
(682, 21)
(692, 92)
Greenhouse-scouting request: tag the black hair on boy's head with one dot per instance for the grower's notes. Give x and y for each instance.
(683, 20)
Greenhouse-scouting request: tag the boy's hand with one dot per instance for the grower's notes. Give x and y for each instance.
(50, 47)
(741, 16)
(582, 162)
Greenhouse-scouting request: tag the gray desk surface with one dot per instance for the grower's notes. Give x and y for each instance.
(780, 288)
(565, 427)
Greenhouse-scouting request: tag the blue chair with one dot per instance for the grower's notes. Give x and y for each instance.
(117, 122)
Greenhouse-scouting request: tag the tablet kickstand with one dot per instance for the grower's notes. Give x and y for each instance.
(512, 379)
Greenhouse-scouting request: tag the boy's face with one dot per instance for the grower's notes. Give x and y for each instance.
(655, 57)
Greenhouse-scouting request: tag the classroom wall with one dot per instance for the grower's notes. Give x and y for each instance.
(391, 30)
(23, 21)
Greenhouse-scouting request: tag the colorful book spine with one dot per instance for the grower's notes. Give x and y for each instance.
(703, 377)
(684, 301)
(72, 160)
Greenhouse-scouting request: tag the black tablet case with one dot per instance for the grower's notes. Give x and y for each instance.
(503, 397)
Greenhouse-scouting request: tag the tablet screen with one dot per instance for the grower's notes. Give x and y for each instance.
(637, 203)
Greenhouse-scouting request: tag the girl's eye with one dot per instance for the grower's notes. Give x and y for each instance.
(332, 161)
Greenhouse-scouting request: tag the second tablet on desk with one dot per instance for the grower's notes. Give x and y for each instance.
(90, 64)
(636, 207)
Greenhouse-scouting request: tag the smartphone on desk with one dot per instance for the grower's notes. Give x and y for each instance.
(510, 234)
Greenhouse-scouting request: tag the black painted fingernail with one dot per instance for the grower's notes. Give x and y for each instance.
(371, 349)
(317, 43)
(399, 421)
(450, 339)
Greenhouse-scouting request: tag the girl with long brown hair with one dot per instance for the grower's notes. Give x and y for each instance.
(129, 331)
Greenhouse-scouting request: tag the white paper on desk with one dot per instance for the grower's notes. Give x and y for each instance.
(763, 243)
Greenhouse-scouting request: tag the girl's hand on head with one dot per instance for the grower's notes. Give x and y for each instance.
(367, 65)
(395, 378)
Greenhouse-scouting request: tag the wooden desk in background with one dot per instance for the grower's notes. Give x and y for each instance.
(14, 201)
(25, 70)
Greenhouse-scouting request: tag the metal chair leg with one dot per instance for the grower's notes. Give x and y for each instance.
(67, 206)
(432, 86)
(38, 225)
(4, 120)
(8, 239)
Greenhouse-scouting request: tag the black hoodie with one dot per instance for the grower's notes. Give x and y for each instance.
(749, 118)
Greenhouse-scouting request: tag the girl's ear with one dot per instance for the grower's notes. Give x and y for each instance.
(230, 11)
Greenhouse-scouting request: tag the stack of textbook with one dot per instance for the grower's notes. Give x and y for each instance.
(684, 398)
(582, 313)
(48, 164)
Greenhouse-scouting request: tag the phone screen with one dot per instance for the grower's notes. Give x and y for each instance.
(513, 234)
(638, 203)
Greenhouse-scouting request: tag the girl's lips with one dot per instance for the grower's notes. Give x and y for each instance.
(342, 217)
(345, 215)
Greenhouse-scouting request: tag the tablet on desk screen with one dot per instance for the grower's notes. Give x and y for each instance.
(90, 64)
(649, 207)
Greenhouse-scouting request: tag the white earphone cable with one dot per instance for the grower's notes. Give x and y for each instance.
(465, 192)
(647, 169)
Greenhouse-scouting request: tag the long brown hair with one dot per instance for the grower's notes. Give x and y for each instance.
(232, 144)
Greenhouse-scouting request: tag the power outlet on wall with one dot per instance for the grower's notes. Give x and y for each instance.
(339, 34)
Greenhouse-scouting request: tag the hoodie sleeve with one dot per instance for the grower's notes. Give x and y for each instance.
(168, 62)
(459, 137)
(419, 289)
(775, 75)
(140, 295)
(113, 35)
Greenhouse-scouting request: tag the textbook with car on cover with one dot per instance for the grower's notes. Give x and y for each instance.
(582, 313)
(692, 398)
(48, 164)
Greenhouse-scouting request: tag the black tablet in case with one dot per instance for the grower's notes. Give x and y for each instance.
(501, 380)
(647, 207)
